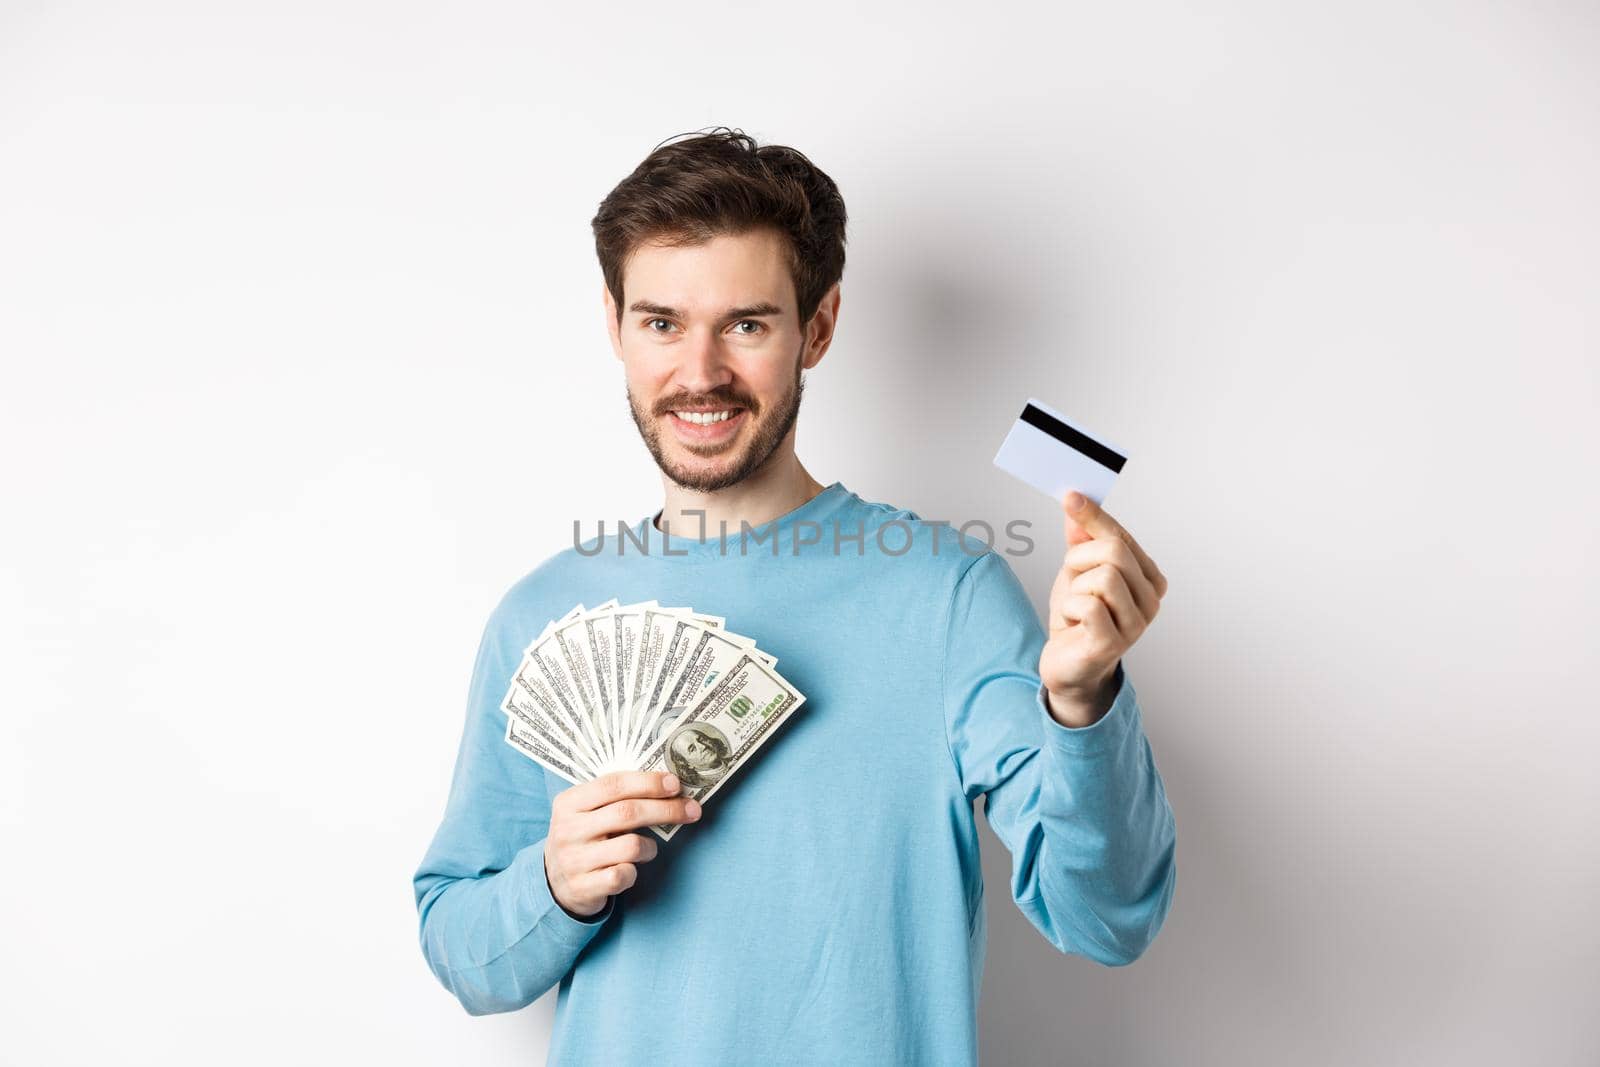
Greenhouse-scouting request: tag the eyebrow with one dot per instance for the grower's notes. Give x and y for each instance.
(749, 311)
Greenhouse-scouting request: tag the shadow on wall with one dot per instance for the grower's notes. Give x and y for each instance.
(1226, 951)
(974, 345)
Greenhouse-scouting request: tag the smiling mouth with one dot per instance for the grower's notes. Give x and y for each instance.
(705, 416)
(712, 427)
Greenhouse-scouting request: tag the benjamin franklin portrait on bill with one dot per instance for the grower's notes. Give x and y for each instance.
(698, 754)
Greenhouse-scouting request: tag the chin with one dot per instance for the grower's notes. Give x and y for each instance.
(702, 479)
(708, 474)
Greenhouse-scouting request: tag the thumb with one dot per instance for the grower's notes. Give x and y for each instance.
(1076, 535)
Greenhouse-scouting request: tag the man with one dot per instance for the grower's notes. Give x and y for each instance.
(827, 907)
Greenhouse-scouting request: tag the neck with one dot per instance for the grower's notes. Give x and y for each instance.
(776, 489)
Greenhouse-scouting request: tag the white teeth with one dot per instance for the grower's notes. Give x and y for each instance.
(703, 418)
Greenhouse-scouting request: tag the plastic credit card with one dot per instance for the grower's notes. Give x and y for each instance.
(1053, 455)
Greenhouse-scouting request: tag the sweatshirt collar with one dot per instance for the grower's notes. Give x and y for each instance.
(685, 544)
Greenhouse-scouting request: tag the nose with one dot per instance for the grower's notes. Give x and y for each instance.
(702, 366)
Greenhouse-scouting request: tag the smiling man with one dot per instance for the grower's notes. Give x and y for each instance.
(746, 408)
(828, 907)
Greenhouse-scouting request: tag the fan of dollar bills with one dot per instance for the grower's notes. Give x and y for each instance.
(645, 687)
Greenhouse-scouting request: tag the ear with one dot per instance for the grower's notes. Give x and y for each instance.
(819, 331)
(613, 330)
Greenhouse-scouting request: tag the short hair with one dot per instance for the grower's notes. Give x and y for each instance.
(721, 182)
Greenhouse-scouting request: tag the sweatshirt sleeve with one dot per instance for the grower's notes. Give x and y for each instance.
(1083, 812)
(490, 929)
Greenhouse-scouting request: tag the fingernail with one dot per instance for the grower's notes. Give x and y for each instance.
(1074, 501)
(693, 809)
(671, 782)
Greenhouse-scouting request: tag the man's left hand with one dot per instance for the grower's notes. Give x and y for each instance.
(1105, 595)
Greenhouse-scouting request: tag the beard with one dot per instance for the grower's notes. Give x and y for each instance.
(769, 430)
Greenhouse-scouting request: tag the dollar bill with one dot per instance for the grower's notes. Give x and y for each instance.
(645, 686)
(569, 645)
(531, 699)
(707, 655)
(530, 703)
(599, 630)
(534, 747)
(544, 670)
(710, 741)
(655, 631)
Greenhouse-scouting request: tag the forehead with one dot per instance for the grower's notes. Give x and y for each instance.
(703, 280)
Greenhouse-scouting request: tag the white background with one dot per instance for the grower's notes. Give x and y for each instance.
(305, 363)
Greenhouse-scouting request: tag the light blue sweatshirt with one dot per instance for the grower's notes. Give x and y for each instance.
(827, 908)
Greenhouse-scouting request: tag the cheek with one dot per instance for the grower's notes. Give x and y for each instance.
(769, 378)
(645, 380)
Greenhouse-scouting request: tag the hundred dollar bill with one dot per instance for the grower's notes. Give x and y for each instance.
(655, 628)
(630, 628)
(535, 748)
(707, 655)
(530, 699)
(599, 630)
(678, 642)
(569, 643)
(710, 741)
(602, 688)
(530, 702)
(657, 662)
(544, 670)
(628, 622)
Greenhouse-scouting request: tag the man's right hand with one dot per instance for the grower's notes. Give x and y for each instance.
(588, 853)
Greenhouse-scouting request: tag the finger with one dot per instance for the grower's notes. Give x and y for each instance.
(1115, 552)
(609, 881)
(610, 851)
(1097, 522)
(620, 785)
(1105, 582)
(1075, 532)
(1090, 612)
(637, 812)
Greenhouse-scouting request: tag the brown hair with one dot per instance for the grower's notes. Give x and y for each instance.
(718, 183)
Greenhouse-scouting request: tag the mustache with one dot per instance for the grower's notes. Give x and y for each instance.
(726, 400)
